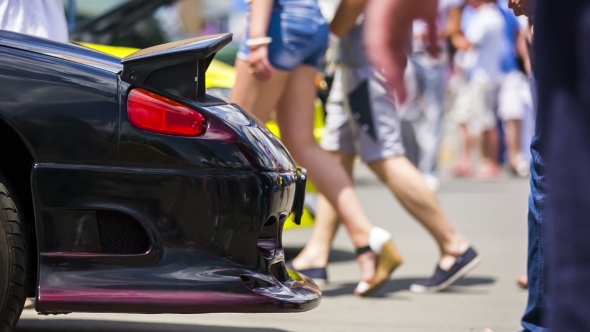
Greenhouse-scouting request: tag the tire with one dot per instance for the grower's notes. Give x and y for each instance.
(13, 270)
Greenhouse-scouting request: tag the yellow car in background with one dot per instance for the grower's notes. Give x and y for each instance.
(221, 78)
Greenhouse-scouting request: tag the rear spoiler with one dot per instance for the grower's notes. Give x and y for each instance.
(177, 68)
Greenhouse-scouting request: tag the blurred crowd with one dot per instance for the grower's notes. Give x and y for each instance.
(478, 87)
(493, 96)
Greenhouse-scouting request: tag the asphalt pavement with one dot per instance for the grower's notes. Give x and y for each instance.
(492, 215)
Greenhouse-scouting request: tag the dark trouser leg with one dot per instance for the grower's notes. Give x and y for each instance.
(562, 37)
(532, 319)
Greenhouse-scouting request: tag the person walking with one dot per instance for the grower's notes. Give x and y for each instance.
(362, 120)
(276, 66)
(427, 112)
(515, 100)
(562, 70)
(484, 42)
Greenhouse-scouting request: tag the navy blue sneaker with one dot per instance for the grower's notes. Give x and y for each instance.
(318, 275)
(443, 279)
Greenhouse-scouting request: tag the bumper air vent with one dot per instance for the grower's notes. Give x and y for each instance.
(279, 271)
(268, 238)
(120, 234)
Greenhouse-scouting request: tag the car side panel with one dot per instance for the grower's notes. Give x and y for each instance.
(67, 112)
(204, 230)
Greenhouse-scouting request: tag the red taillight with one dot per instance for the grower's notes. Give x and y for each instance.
(152, 112)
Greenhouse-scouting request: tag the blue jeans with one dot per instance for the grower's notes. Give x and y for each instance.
(533, 318)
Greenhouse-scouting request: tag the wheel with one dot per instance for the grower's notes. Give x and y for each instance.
(12, 262)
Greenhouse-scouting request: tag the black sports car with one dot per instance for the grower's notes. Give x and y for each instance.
(125, 187)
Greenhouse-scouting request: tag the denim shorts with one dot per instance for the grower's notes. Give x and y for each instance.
(299, 35)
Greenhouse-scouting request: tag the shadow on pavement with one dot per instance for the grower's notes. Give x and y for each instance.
(396, 285)
(336, 255)
(78, 325)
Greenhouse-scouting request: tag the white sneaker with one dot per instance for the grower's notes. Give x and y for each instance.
(432, 182)
(522, 168)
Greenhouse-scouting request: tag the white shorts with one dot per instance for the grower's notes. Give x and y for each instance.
(514, 98)
(475, 105)
(371, 127)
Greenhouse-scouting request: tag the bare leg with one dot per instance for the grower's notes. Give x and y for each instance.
(256, 97)
(513, 130)
(464, 166)
(410, 188)
(489, 147)
(466, 140)
(408, 185)
(295, 118)
(317, 250)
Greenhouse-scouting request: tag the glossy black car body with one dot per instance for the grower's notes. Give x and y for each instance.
(93, 188)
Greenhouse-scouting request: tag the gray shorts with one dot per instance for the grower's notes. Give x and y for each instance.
(366, 124)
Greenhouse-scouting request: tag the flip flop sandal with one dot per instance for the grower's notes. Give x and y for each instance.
(388, 259)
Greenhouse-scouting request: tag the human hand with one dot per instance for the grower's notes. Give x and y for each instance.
(522, 7)
(387, 36)
(259, 64)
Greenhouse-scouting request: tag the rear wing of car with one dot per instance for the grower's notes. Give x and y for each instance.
(177, 68)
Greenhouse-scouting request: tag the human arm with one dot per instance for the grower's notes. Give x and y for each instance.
(523, 49)
(455, 33)
(460, 42)
(387, 30)
(454, 22)
(447, 28)
(522, 7)
(346, 16)
(260, 12)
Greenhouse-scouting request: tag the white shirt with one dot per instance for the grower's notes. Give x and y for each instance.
(486, 33)
(41, 18)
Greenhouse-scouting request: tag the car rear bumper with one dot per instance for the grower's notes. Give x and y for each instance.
(215, 241)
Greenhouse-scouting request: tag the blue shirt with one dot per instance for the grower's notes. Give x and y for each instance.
(509, 60)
